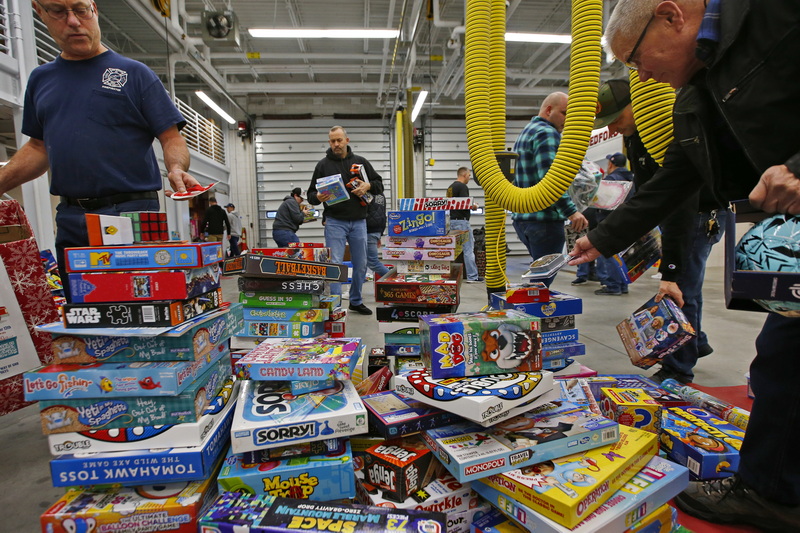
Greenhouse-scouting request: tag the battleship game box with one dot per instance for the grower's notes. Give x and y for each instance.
(91, 287)
(138, 467)
(285, 330)
(147, 437)
(454, 239)
(255, 314)
(409, 312)
(475, 398)
(399, 467)
(306, 359)
(60, 416)
(264, 266)
(391, 415)
(194, 339)
(653, 486)
(418, 223)
(434, 204)
(706, 445)
(113, 380)
(123, 314)
(268, 415)
(550, 431)
(480, 343)
(654, 331)
(239, 513)
(559, 305)
(304, 286)
(568, 488)
(631, 407)
(167, 256)
(324, 477)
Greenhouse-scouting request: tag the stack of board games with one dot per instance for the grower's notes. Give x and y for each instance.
(286, 296)
(557, 312)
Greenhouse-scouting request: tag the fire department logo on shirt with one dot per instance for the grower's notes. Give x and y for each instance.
(114, 78)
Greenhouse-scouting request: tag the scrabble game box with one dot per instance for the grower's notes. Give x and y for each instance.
(480, 343)
(391, 415)
(142, 257)
(306, 359)
(418, 223)
(654, 331)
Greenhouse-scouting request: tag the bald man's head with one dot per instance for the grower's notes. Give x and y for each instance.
(554, 110)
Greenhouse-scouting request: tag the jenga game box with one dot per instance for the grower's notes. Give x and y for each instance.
(480, 343)
(654, 331)
(631, 407)
(400, 467)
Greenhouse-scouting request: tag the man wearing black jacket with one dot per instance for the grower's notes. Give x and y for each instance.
(345, 222)
(215, 222)
(736, 131)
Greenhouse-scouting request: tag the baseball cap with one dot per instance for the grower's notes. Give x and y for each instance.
(612, 99)
(617, 159)
(297, 191)
(231, 205)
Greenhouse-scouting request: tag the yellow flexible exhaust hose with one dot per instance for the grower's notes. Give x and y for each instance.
(485, 134)
(652, 111)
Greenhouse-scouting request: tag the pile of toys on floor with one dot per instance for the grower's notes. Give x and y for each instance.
(460, 422)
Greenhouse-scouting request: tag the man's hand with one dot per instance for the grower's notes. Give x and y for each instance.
(778, 191)
(670, 288)
(362, 188)
(180, 180)
(578, 221)
(583, 252)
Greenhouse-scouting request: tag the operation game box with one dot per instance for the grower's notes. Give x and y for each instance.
(306, 359)
(194, 339)
(167, 256)
(60, 416)
(418, 223)
(268, 415)
(392, 415)
(146, 437)
(114, 380)
(90, 287)
(264, 266)
(559, 305)
(553, 430)
(480, 343)
(322, 477)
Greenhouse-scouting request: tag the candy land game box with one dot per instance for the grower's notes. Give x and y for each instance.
(301, 359)
(654, 331)
(481, 343)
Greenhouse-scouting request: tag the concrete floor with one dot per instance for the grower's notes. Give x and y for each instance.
(27, 491)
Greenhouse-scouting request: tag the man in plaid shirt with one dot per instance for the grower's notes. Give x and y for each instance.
(542, 232)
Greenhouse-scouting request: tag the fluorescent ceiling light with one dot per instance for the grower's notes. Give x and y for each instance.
(210, 103)
(538, 38)
(308, 33)
(423, 95)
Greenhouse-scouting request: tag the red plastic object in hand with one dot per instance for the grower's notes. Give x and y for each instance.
(191, 192)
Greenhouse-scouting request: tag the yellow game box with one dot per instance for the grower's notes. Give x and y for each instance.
(631, 407)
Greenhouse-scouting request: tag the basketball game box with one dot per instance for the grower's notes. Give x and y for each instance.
(418, 223)
(547, 432)
(654, 331)
(319, 254)
(268, 416)
(392, 415)
(264, 266)
(142, 257)
(454, 239)
(480, 343)
(301, 360)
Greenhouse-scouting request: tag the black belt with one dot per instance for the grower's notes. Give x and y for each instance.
(90, 204)
(451, 218)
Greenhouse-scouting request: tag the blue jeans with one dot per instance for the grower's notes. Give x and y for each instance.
(234, 242)
(338, 233)
(71, 229)
(283, 237)
(373, 261)
(470, 267)
(610, 275)
(691, 285)
(768, 458)
(541, 238)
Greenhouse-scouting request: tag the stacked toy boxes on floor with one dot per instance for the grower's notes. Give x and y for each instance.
(424, 281)
(141, 397)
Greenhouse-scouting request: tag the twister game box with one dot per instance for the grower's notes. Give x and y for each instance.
(707, 446)
(654, 331)
(301, 359)
(486, 342)
(268, 415)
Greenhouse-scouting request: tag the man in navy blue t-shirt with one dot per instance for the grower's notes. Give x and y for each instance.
(92, 116)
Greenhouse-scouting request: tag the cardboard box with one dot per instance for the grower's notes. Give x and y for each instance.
(148, 437)
(434, 204)
(409, 312)
(654, 331)
(108, 230)
(148, 226)
(418, 223)
(555, 323)
(192, 340)
(151, 466)
(89, 287)
(322, 255)
(548, 432)
(420, 254)
(640, 256)
(454, 239)
(175, 505)
(420, 267)
(524, 293)
(237, 513)
(474, 398)
(403, 349)
(331, 189)
(562, 336)
(399, 467)
(277, 300)
(320, 478)
(119, 380)
(287, 314)
(559, 305)
(307, 359)
(577, 391)
(267, 417)
(631, 407)
(304, 286)
(442, 495)
(567, 489)
(307, 449)
(392, 415)
(419, 288)
(263, 266)
(562, 351)
(706, 445)
(143, 257)
(60, 416)
(285, 330)
(16, 232)
(480, 343)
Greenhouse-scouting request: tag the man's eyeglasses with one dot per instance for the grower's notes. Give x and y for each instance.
(60, 13)
(629, 62)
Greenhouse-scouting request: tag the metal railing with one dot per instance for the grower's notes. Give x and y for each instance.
(201, 134)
